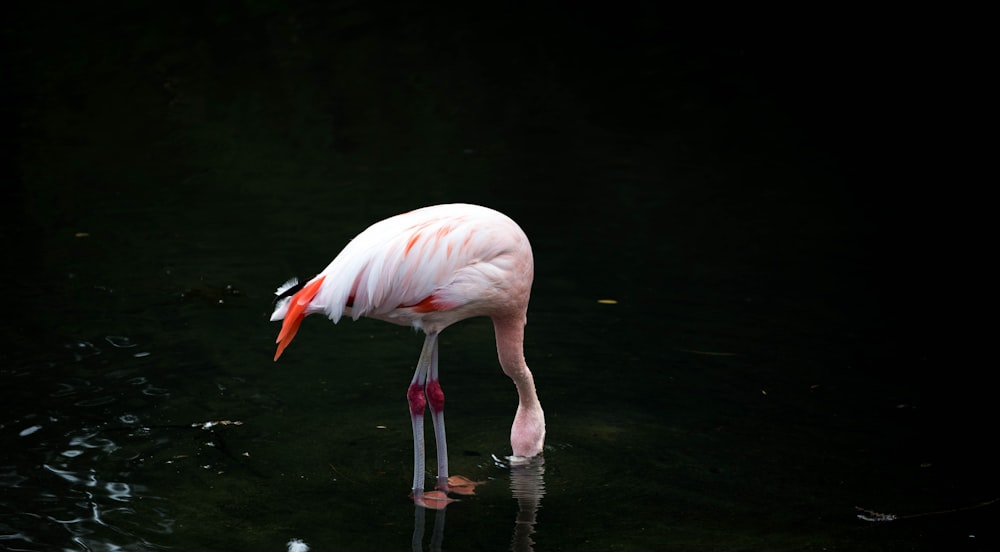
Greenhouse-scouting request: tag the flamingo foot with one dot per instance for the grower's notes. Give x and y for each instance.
(432, 500)
(439, 499)
(461, 485)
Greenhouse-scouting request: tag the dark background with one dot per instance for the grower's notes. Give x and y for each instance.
(879, 110)
(829, 165)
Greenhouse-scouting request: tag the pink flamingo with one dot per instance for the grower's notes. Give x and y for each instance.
(430, 268)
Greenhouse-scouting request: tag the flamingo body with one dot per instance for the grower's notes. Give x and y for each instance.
(430, 268)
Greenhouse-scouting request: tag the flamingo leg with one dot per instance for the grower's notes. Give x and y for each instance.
(435, 398)
(417, 399)
(424, 389)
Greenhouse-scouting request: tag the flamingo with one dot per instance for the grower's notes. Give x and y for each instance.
(428, 269)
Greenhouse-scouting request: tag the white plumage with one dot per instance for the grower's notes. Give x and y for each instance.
(457, 253)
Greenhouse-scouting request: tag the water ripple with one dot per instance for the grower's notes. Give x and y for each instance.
(120, 341)
(9, 478)
(154, 391)
(29, 430)
(98, 401)
(79, 488)
(118, 491)
(88, 499)
(82, 350)
(72, 387)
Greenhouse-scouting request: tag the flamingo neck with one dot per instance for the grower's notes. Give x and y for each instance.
(527, 435)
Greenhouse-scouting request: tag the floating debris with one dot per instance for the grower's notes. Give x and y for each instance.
(873, 516)
(210, 425)
(876, 517)
(212, 294)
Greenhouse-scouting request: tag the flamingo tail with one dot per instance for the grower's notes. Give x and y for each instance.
(296, 313)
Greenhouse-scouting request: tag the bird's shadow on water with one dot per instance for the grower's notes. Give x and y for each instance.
(527, 485)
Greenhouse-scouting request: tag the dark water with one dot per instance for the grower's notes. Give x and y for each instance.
(782, 348)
